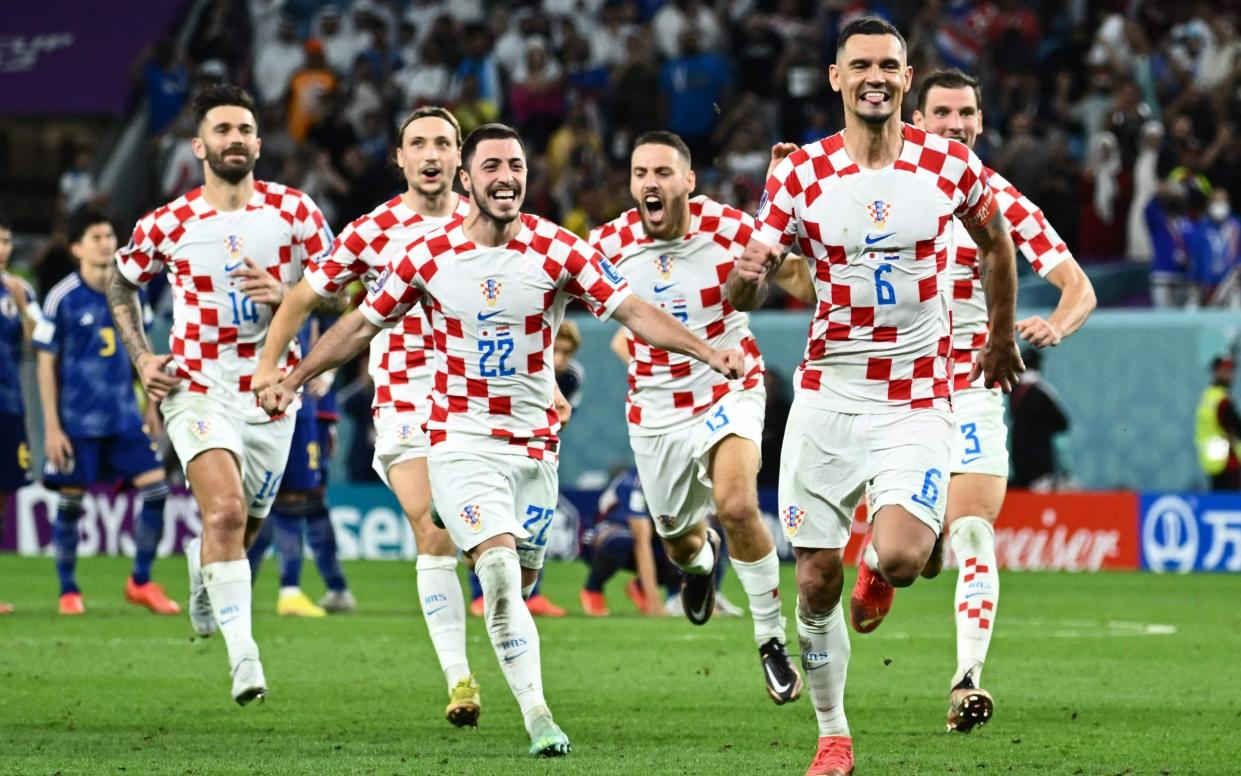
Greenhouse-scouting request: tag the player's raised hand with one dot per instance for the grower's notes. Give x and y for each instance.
(57, 449)
(730, 363)
(999, 363)
(1038, 332)
(264, 377)
(779, 152)
(756, 262)
(157, 382)
(258, 284)
(275, 399)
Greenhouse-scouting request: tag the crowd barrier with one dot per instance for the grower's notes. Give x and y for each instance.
(1081, 531)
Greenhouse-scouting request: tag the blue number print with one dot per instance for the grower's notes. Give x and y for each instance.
(503, 347)
(970, 432)
(538, 533)
(268, 489)
(244, 308)
(717, 420)
(930, 489)
(884, 292)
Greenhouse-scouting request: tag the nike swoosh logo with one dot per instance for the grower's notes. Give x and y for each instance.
(816, 668)
(865, 623)
(430, 612)
(970, 460)
(661, 289)
(231, 267)
(698, 615)
(775, 683)
(511, 658)
(872, 239)
(230, 619)
(488, 316)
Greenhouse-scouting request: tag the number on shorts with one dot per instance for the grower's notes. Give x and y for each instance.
(244, 308)
(884, 292)
(717, 420)
(502, 346)
(538, 514)
(970, 432)
(271, 483)
(930, 489)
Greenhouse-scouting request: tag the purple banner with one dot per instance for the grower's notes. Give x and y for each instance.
(70, 56)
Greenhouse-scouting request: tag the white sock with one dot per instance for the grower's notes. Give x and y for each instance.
(978, 593)
(825, 653)
(512, 631)
(760, 580)
(871, 558)
(703, 562)
(443, 609)
(194, 557)
(228, 586)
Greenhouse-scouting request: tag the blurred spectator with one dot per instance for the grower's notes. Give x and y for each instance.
(1037, 417)
(538, 95)
(471, 110)
(1106, 188)
(166, 80)
(77, 183)
(277, 61)
(1215, 253)
(607, 39)
(678, 17)
(427, 81)
(223, 32)
(1145, 187)
(310, 91)
(635, 85)
(1170, 231)
(693, 87)
(340, 48)
(481, 63)
(1217, 429)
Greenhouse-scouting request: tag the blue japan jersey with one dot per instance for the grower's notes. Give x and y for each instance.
(96, 383)
(622, 500)
(11, 351)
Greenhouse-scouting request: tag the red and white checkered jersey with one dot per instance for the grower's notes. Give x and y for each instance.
(685, 278)
(400, 360)
(217, 331)
(1035, 239)
(878, 240)
(494, 314)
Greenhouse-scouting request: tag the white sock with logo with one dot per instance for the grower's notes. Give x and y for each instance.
(512, 631)
(825, 654)
(760, 579)
(443, 610)
(977, 596)
(228, 587)
(703, 562)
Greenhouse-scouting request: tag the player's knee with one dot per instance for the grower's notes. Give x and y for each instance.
(71, 504)
(225, 514)
(901, 569)
(819, 584)
(735, 509)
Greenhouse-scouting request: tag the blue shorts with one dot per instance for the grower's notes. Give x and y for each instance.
(105, 459)
(304, 471)
(14, 453)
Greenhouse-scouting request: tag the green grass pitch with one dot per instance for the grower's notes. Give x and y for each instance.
(1092, 674)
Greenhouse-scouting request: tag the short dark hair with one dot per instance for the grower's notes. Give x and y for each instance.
(867, 25)
(222, 94)
(665, 138)
(83, 219)
(425, 111)
(948, 78)
(5, 223)
(487, 132)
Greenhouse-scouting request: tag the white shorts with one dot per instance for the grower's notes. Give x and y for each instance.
(980, 442)
(197, 423)
(829, 459)
(482, 495)
(398, 437)
(675, 468)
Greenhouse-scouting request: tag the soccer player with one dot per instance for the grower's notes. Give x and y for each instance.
(872, 206)
(496, 285)
(92, 429)
(949, 104)
(696, 435)
(429, 155)
(18, 315)
(230, 246)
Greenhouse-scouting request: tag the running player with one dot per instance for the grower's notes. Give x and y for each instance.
(872, 206)
(429, 155)
(230, 247)
(949, 104)
(696, 435)
(18, 315)
(496, 285)
(93, 432)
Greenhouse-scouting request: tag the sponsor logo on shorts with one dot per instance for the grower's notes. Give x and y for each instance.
(791, 517)
(472, 515)
(200, 429)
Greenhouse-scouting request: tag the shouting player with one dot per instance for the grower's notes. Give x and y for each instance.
(950, 104)
(230, 247)
(695, 434)
(93, 432)
(496, 285)
(429, 154)
(872, 206)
